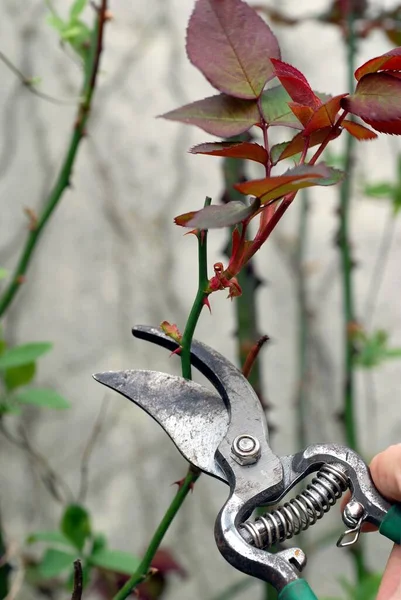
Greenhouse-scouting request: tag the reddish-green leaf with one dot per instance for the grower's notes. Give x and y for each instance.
(377, 100)
(234, 150)
(360, 132)
(301, 112)
(172, 331)
(296, 145)
(215, 216)
(219, 115)
(390, 61)
(296, 84)
(273, 188)
(325, 115)
(231, 45)
(276, 110)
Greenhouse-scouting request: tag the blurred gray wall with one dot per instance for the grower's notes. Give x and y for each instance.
(111, 257)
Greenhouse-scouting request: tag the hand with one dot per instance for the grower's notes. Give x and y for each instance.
(386, 473)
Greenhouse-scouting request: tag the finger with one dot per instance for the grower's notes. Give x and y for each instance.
(390, 587)
(386, 472)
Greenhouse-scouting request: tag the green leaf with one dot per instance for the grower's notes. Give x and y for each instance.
(77, 8)
(99, 543)
(42, 397)
(368, 588)
(52, 537)
(275, 108)
(373, 349)
(75, 524)
(115, 560)
(17, 376)
(55, 562)
(3, 273)
(55, 22)
(379, 190)
(71, 32)
(393, 353)
(9, 409)
(24, 354)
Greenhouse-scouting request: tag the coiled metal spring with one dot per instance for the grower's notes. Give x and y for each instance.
(299, 513)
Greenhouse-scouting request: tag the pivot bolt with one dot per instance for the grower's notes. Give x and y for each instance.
(353, 513)
(245, 449)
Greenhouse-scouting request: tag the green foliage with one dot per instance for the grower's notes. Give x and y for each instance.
(23, 355)
(53, 537)
(17, 369)
(3, 273)
(373, 349)
(385, 189)
(72, 30)
(42, 397)
(15, 377)
(366, 589)
(75, 525)
(114, 560)
(55, 562)
(75, 533)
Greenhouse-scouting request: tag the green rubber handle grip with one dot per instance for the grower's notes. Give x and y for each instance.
(297, 590)
(390, 527)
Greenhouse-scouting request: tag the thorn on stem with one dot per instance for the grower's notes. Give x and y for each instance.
(180, 483)
(207, 303)
(253, 355)
(33, 218)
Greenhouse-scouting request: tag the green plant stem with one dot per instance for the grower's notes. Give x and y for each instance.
(63, 180)
(193, 474)
(350, 424)
(198, 304)
(142, 572)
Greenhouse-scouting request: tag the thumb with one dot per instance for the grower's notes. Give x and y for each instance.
(386, 474)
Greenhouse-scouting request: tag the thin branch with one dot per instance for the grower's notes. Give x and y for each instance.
(193, 474)
(97, 428)
(199, 302)
(78, 581)
(63, 180)
(30, 84)
(379, 269)
(16, 585)
(56, 486)
(141, 573)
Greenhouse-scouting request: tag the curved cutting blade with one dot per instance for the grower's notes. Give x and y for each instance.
(194, 417)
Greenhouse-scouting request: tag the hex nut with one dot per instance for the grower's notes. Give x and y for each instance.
(246, 449)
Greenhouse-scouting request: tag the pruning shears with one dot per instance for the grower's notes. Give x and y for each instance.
(224, 434)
